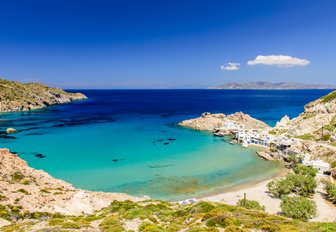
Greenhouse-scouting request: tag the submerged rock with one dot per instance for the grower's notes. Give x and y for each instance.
(40, 155)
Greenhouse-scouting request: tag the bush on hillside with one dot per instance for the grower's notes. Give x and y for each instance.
(298, 207)
(305, 170)
(330, 188)
(302, 183)
(250, 204)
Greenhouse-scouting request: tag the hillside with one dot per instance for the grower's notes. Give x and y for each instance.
(32, 200)
(268, 85)
(16, 96)
(318, 121)
(316, 127)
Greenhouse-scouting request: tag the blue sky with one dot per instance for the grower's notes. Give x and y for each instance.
(167, 44)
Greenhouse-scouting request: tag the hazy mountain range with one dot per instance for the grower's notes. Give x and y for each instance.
(269, 85)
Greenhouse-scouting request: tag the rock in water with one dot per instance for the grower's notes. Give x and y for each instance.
(10, 130)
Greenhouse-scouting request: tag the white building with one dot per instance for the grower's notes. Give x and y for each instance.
(254, 137)
(319, 165)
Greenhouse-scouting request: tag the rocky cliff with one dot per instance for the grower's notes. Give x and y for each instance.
(318, 121)
(16, 96)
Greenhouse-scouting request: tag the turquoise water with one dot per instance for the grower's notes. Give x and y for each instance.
(114, 144)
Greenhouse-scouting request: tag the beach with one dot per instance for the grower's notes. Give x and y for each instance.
(326, 211)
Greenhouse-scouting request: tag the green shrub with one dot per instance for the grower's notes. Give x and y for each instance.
(111, 224)
(221, 221)
(269, 228)
(17, 176)
(298, 207)
(2, 197)
(202, 229)
(306, 137)
(325, 137)
(294, 159)
(203, 207)
(55, 221)
(149, 227)
(303, 185)
(70, 225)
(333, 164)
(305, 170)
(280, 187)
(330, 97)
(330, 188)
(23, 191)
(250, 204)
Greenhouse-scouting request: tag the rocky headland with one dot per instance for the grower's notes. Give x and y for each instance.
(209, 122)
(315, 128)
(16, 96)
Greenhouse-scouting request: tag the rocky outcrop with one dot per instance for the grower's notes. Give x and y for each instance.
(37, 191)
(317, 122)
(283, 124)
(206, 122)
(248, 121)
(16, 96)
(209, 122)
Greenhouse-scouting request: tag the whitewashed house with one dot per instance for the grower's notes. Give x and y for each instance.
(320, 165)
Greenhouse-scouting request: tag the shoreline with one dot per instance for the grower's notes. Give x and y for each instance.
(278, 174)
(255, 190)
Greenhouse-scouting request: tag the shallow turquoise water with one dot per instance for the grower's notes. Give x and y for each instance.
(196, 161)
(110, 144)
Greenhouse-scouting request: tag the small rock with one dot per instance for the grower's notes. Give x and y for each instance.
(10, 130)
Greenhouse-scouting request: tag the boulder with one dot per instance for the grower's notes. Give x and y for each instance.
(10, 130)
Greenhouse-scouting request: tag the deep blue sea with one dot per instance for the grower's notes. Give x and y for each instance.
(129, 141)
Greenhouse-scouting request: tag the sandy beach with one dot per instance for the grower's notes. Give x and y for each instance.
(326, 212)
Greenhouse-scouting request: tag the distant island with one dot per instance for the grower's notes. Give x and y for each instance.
(269, 85)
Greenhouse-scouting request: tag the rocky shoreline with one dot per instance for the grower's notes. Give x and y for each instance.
(313, 132)
(36, 191)
(16, 96)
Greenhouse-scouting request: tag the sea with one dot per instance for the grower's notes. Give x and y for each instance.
(129, 140)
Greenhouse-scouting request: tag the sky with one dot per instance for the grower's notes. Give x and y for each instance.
(167, 43)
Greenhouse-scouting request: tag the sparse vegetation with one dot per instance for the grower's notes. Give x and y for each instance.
(330, 97)
(17, 176)
(22, 191)
(250, 204)
(18, 96)
(330, 188)
(306, 137)
(170, 217)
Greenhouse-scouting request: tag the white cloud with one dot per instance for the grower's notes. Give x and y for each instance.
(230, 66)
(279, 60)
